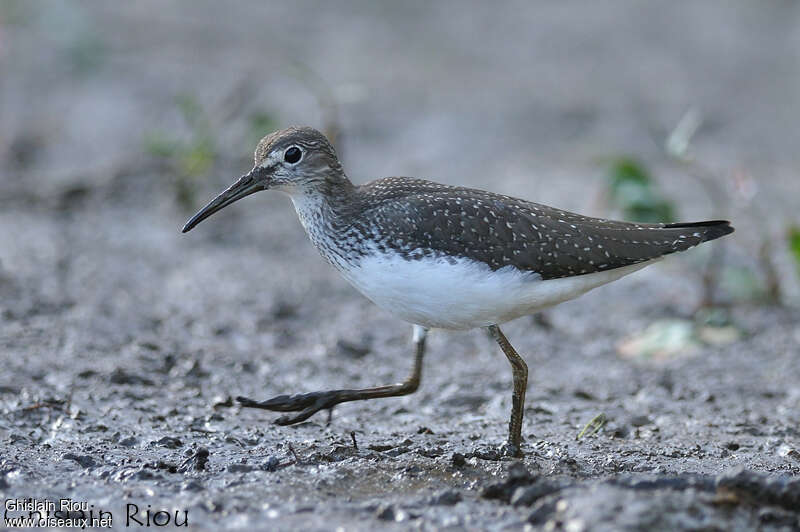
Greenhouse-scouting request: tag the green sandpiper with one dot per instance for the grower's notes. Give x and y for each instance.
(440, 256)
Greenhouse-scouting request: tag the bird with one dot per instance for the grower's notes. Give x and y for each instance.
(442, 256)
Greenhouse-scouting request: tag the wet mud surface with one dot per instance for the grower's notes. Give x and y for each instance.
(123, 342)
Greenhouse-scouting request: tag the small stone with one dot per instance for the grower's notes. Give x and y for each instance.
(130, 441)
(385, 513)
(458, 460)
(196, 462)
(583, 394)
(352, 350)
(145, 474)
(528, 495)
(784, 451)
(191, 485)
(84, 460)
(518, 476)
(541, 514)
(120, 376)
(447, 498)
(169, 442)
(283, 310)
(517, 470)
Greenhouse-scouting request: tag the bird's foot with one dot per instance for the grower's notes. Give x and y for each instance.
(307, 404)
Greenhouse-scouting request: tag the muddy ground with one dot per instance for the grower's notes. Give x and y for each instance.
(122, 341)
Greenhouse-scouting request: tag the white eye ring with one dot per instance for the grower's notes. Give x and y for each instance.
(292, 155)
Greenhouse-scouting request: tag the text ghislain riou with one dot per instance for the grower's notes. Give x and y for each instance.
(82, 514)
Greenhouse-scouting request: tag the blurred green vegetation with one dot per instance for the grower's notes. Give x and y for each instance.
(85, 53)
(15, 12)
(632, 190)
(593, 426)
(67, 27)
(260, 123)
(742, 284)
(190, 159)
(668, 338)
(794, 245)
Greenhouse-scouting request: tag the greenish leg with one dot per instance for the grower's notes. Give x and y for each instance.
(308, 404)
(519, 371)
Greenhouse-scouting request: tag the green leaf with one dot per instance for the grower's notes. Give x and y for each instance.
(794, 245)
(629, 170)
(633, 191)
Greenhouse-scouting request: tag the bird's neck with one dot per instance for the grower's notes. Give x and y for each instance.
(326, 200)
(325, 213)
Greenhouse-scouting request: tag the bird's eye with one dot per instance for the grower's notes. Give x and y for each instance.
(292, 155)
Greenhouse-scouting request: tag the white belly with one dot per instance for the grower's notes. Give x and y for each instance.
(464, 294)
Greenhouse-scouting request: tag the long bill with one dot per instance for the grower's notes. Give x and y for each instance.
(246, 185)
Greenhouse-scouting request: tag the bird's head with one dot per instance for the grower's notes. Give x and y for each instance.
(297, 160)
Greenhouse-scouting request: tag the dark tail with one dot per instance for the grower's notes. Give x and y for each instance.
(709, 230)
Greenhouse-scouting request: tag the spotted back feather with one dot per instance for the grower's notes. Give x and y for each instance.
(419, 218)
